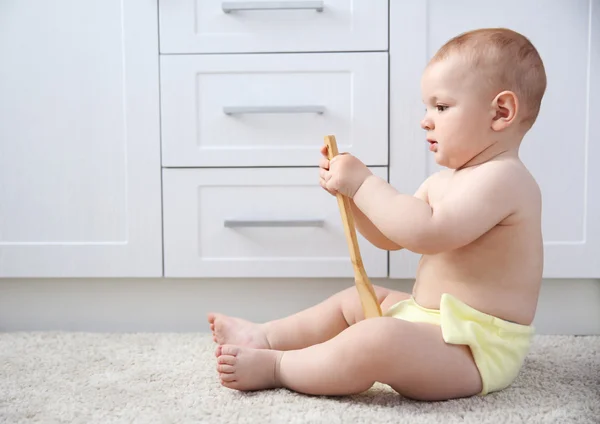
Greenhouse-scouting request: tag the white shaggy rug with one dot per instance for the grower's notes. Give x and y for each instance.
(171, 378)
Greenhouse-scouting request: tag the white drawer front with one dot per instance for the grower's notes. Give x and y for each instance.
(213, 26)
(265, 222)
(264, 110)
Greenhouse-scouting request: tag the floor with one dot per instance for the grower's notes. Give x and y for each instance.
(168, 378)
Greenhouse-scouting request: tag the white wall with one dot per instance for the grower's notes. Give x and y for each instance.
(168, 305)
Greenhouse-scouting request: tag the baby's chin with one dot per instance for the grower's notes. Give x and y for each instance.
(441, 160)
(451, 161)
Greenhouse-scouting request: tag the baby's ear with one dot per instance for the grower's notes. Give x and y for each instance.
(505, 107)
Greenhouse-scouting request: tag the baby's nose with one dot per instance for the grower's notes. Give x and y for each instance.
(426, 124)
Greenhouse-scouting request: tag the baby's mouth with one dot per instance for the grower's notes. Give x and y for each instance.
(432, 145)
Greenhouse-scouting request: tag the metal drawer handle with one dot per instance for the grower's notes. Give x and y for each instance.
(232, 110)
(237, 223)
(233, 6)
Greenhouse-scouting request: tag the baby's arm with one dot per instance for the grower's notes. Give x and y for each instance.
(371, 232)
(470, 209)
(362, 223)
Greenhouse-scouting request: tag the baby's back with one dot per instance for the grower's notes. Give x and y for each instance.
(500, 272)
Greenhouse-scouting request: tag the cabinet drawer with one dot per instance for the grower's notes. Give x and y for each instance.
(213, 26)
(264, 222)
(265, 110)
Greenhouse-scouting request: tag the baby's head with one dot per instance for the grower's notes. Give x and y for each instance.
(483, 91)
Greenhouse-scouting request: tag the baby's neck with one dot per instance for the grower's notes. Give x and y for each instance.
(497, 150)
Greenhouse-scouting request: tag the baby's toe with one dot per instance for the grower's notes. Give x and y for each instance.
(226, 369)
(227, 377)
(234, 385)
(230, 350)
(227, 359)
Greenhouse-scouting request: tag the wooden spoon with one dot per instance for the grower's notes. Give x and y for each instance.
(367, 295)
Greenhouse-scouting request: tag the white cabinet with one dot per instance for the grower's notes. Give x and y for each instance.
(215, 26)
(562, 150)
(267, 222)
(272, 109)
(79, 139)
(248, 91)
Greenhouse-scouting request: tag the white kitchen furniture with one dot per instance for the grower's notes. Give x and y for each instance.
(272, 109)
(256, 222)
(248, 91)
(80, 183)
(215, 26)
(217, 110)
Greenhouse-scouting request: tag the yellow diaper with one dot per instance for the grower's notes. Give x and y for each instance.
(498, 346)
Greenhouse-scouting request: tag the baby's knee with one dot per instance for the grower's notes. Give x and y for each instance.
(351, 305)
(352, 293)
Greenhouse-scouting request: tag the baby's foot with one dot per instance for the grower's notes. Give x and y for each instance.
(237, 331)
(244, 368)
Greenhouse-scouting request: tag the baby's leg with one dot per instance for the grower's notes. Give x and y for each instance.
(410, 357)
(306, 328)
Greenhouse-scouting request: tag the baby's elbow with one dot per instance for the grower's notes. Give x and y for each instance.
(385, 244)
(393, 247)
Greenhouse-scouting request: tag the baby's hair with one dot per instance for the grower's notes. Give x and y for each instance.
(508, 61)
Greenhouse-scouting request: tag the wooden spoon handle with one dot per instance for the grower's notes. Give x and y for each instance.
(365, 289)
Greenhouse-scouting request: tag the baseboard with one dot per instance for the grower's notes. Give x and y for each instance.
(181, 305)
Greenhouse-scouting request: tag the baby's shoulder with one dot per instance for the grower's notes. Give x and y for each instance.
(511, 179)
(442, 176)
(508, 178)
(510, 172)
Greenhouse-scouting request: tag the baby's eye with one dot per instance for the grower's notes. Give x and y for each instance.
(441, 108)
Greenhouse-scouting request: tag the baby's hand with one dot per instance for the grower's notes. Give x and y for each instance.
(343, 174)
(323, 167)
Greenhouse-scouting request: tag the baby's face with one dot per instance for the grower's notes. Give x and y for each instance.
(457, 118)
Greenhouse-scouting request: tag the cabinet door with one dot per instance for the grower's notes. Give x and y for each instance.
(272, 109)
(563, 148)
(261, 222)
(215, 26)
(79, 139)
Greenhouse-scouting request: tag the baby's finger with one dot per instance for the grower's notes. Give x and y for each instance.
(324, 163)
(324, 174)
(324, 185)
(324, 150)
(329, 186)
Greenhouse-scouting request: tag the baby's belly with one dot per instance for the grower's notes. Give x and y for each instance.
(492, 289)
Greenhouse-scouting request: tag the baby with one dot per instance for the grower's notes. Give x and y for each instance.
(466, 327)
